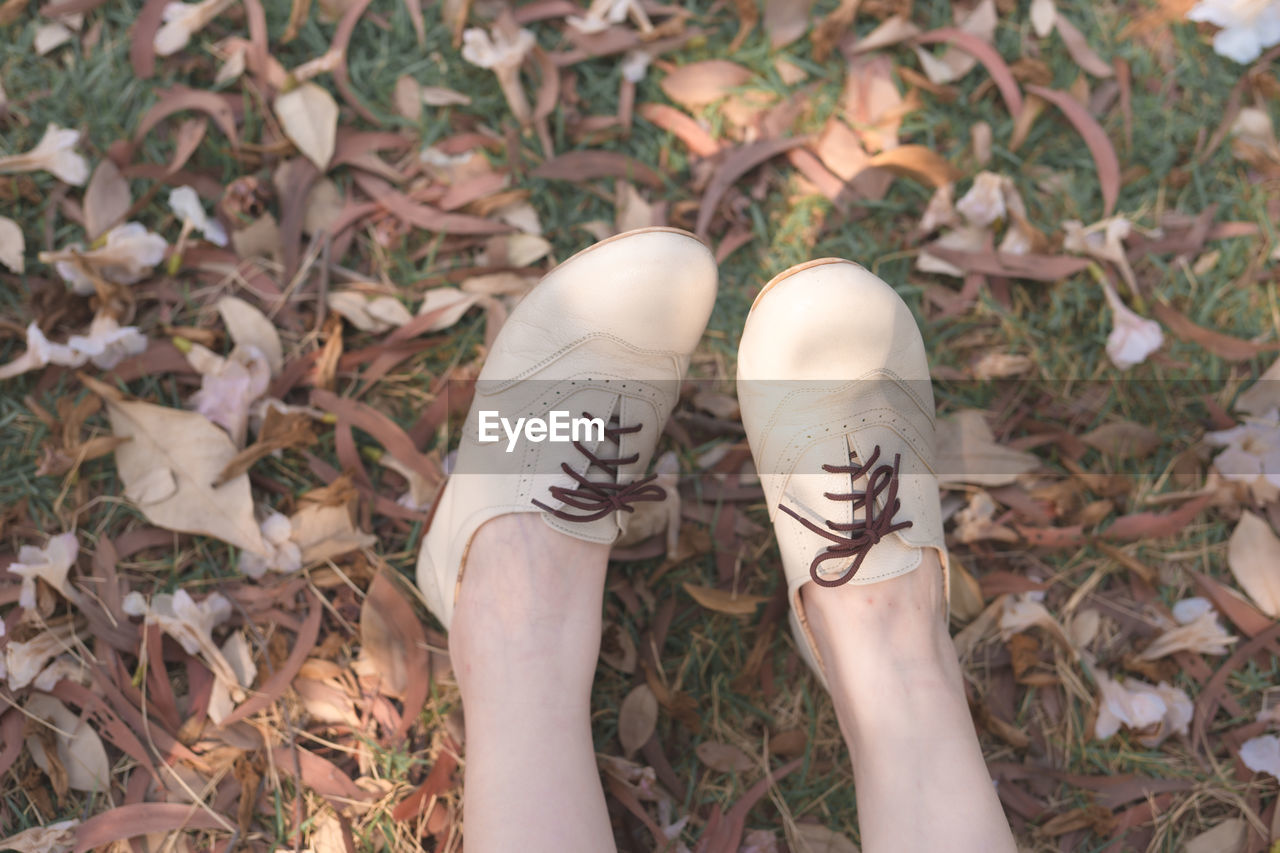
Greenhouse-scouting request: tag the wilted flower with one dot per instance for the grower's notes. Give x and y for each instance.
(977, 522)
(229, 386)
(502, 54)
(1248, 26)
(106, 345)
(184, 202)
(602, 13)
(983, 204)
(1198, 630)
(182, 21)
(39, 353)
(128, 253)
(635, 64)
(24, 663)
(1132, 337)
(1026, 610)
(1253, 139)
(1262, 754)
(189, 623)
(1155, 712)
(282, 555)
(53, 154)
(1252, 454)
(51, 563)
(941, 210)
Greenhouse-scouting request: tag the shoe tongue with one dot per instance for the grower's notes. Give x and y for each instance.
(891, 555)
(604, 529)
(807, 494)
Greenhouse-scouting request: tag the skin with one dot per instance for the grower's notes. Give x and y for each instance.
(524, 643)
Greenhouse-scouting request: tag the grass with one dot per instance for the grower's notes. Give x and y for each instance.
(1061, 326)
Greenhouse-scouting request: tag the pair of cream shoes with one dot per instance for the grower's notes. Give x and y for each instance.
(833, 385)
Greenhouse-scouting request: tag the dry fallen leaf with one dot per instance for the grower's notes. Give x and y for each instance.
(966, 593)
(106, 200)
(637, 718)
(79, 749)
(392, 641)
(309, 117)
(724, 757)
(722, 601)
(451, 302)
(369, 312)
(168, 467)
(1253, 554)
(785, 20)
(968, 453)
(1229, 836)
(698, 84)
(1123, 439)
(248, 326)
(57, 837)
(814, 838)
(324, 532)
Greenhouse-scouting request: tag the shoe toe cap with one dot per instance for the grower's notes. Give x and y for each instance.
(653, 288)
(831, 321)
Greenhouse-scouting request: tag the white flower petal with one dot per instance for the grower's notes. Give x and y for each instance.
(1262, 754)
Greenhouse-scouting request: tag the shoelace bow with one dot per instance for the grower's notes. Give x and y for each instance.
(860, 536)
(599, 499)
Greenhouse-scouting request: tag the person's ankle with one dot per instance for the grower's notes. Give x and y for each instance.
(527, 618)
(898, 623)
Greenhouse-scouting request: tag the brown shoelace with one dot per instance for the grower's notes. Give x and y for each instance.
(859, 536)
(599, 499)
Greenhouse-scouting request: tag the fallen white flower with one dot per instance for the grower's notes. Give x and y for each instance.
(107, 343)
(229, 386)
(502, 53)
(1262, 754)
(239, 656)
(941, 210)
(24, 662)
(1155, 712)
(63, 667)
(634, 65)
(1248, 26)
(50, 563)
(39, 353)
(191, 624)
(603, 13)
(1198, 631)
(282, 555)
(983, 204)
(128, 254)
(54, 154)
(1132, 337)
(976, 522)
(1025, 610)
(1252, 453)
(182, 21)
(186, 205)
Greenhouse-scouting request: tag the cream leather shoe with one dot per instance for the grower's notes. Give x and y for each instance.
(606, 336)
(836, 399)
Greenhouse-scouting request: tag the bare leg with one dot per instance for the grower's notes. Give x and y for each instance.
(921, 780)
(524, 643)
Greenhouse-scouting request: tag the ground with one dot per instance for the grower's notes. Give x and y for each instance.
(1026, 348)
